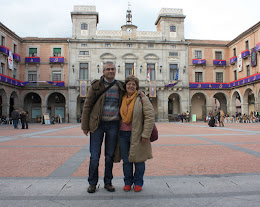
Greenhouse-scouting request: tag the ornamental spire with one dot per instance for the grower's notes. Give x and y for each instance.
(129, 14)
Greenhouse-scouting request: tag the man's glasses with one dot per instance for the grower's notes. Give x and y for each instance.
(110, 69)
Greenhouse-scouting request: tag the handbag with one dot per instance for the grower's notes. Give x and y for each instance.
(154, 134)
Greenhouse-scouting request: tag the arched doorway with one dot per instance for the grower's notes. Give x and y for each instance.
(236, 103)
(219, 101)
(56, 105)
(173, 106)
(249, 98)
(32, 104)
(3, 103)
(13, 102)
(80, 104)
(198, 106)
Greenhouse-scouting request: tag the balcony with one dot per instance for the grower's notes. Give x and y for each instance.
(17, 57)
(12, 81)
(32, 60)
(219, 62)
(199, 61)
(245, 54)
(56, 59)
(4, 50)
(257, 47)
(233, 60)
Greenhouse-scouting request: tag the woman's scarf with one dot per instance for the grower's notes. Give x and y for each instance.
(127, 108)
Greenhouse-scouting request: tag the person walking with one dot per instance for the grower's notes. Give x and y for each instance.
(135, 130)
(23, 119)
(100, 117)
(15, 115)
(222, 116)
(26, 119)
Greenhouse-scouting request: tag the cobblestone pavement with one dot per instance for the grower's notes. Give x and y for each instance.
(192, 165)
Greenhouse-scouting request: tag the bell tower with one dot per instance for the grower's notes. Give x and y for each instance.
(129, 30)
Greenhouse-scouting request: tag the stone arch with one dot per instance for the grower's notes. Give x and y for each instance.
(151, 56)
(13, 102)
(80, 104)
(32, 103)
(129, 56)
(198, 105)
(249, 101)
(3, 103)
(174, 107)
(236, 102)
(220, 100)
(56, 105)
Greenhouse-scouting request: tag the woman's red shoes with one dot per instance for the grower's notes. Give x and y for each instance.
(127, 187)
(137, 188)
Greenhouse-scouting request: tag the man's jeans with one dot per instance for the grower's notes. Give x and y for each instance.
(129, 178)
(110, 129)
(15, 122)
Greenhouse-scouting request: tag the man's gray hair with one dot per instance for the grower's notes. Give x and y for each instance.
(108, 62)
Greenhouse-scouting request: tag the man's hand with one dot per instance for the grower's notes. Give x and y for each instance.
(85, 132)
(144, 140)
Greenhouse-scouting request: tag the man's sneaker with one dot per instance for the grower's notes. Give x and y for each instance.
(127, 187)
(110, 187)
(92, 189)
(137, 188)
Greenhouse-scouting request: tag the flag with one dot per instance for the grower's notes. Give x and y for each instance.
(133, 70)
(152, 89)
(239, 63)
(148, 75)
(83, 88)
(11, 60)
(177, 75)
(253, 57)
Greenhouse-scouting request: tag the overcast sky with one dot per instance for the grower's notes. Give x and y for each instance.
(205, 19)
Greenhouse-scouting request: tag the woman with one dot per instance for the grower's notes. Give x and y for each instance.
(23, 119)
(135, 131)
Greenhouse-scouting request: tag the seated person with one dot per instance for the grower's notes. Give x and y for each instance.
(212, 122)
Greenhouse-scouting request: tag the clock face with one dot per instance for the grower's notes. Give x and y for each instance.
(128, 30)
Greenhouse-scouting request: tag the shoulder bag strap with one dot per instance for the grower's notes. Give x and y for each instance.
(105, 90)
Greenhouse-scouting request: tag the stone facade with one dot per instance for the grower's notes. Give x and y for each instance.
(165, 51)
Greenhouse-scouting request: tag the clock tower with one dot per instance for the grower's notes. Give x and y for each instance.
(129, 29)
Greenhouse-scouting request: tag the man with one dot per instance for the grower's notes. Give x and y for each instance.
(15, 117)
(101, 116)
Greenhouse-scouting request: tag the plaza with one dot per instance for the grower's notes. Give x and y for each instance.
(192, 165)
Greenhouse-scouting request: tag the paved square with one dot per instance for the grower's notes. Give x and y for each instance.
(60, 154)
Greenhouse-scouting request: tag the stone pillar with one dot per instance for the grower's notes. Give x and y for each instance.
(244, 108)
(209, 109)
(162, 105)
(73, 105)
(5, 109)
(44, 109)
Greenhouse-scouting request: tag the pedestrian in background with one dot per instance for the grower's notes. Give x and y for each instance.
(15, 115)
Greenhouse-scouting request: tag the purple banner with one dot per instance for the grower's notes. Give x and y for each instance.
(17, 57)
(226, 85)
(57, 59)
(219, 62)
(32, 60)
(198, 61)
(172, 84)
(233, 60)
(4, 50)
(245, 53)
(56, 83)
(253, 57)
(257, 47)
(10, 80)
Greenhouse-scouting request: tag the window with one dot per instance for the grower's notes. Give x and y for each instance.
(32, 76)
(2, 41)
(235, 52)
(152, 72)
(15, 48)
(175, 54)
(83, 53)
(14, 73)
(235, 74)
(84, 26)
(84, 45)
(198, 77)
(219, 77)
(2, 69)
(83, 71)
(129, 45)
(56, 76)
(173, 71)
(151, 45)
(247, 45)
(172, 28)
(248, 70)
(107, 45)
(198, 54)
(128, 69)
(57, 52)
(32, 52)
(218, 55)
